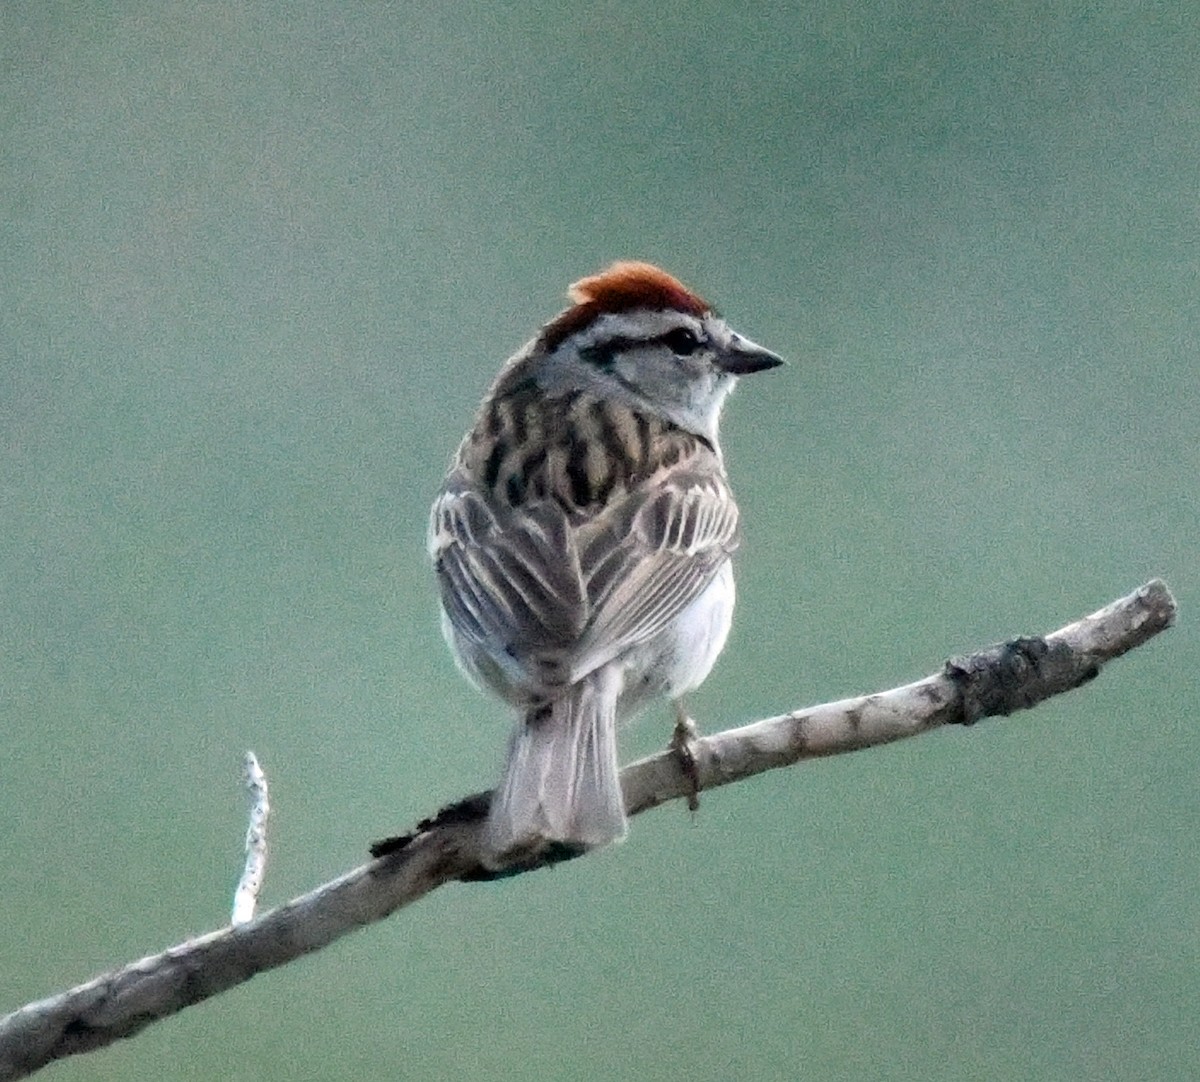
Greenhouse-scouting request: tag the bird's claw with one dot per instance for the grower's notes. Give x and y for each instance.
(682, 738)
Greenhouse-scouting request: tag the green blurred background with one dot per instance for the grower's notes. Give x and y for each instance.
(259, 263)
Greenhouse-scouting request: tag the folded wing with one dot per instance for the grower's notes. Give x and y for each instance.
(551, 592)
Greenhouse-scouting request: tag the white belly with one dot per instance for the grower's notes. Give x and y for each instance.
(680, 659)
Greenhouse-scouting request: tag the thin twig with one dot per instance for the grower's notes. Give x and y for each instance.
(245, 898)
(446, 848)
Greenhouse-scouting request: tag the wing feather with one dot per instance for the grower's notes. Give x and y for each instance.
(682, 531)
(558, 590)
(510, 581)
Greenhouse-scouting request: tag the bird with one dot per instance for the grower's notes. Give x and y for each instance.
(582, 541)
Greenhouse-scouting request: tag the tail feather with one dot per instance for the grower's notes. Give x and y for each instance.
(561, 783)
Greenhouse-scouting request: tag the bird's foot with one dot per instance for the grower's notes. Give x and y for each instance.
(682, 738)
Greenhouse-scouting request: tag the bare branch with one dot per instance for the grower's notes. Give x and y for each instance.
(995, 681)
(245, 898)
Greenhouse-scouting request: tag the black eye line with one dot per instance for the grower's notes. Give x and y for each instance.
(603, 354)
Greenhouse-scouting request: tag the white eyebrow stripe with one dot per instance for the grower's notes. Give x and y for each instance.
(641, 326)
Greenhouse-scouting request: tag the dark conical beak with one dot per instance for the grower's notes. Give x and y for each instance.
(742, 357)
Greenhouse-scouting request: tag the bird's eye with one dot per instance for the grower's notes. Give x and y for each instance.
(681, 341)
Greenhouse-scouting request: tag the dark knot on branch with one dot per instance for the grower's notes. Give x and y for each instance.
(1015, 675)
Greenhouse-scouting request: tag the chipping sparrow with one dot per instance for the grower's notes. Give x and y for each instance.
(582, 540)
